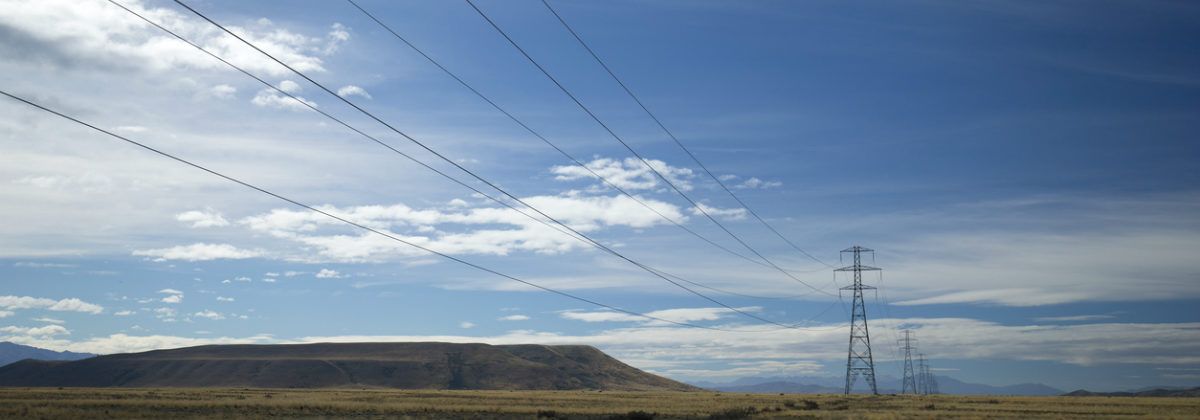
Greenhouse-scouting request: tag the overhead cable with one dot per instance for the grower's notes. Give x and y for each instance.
(643, 160)
(672, 135)
(560, 150)
(588, 239)
(362, 226)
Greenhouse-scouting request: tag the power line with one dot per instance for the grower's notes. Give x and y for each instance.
(547, 141)
(356, 224)
(588, 239)
(672, 135)
(694, 204)
(881, 291)
(335, 119)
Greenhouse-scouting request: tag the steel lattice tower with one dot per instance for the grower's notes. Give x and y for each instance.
(910, 382)
(928, 385)
(858, 359)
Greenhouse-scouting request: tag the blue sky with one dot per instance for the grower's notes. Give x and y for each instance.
(1025, 171)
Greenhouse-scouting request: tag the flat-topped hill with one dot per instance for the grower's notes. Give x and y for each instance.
(330, 365)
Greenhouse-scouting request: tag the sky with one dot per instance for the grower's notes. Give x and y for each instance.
(1025, 172)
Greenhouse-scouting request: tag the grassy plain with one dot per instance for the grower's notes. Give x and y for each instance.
(223, 403)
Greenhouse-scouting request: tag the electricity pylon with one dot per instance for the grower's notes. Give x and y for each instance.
(928, 384)
(859, 362)
(910, 383)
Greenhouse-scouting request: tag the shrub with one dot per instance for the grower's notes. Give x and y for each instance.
(802, 405)
(733, 414)
(640, 415)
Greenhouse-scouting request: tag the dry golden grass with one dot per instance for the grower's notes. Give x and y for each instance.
(214, 403)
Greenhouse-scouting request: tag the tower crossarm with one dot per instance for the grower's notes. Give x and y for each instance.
(858, 268)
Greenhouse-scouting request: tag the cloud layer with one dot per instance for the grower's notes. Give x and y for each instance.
(68, 304)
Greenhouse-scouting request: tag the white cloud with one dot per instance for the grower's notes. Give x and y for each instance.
(87, 183)
(338, 35)
(345, 91)
(727, 214)
(131, 129)
(271, 274)
(1037, 269)
(37, 331)
(175, 296)
(326, 273)
(454, 231)
(209, 314)
(202, 219)
(629, 174)
(269, 280)
(49, 320)
(199, 252)
(755, 183)
(514, 318)
(125, 313)
(224, 299)
(675, 315)
(1075, 318)
(42, 265)
(603, 316)
(68, 304)
(289, 86)
(6, 314)
(1079, 344)
(223, 91)
(466, 324)
(272, 99)
(75, 305)
(100, 33)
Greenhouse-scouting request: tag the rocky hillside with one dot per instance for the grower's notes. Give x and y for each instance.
(326, 365)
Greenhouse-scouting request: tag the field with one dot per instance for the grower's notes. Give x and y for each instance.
(218, 403)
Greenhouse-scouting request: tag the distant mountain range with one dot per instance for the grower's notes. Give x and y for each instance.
(330, 365)
(1157, 392)
(11, 352)
(885, 385)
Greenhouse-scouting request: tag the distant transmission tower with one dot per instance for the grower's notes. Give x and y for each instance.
(923, 377)
(927, 382)
(858, 359)
(910, 383)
